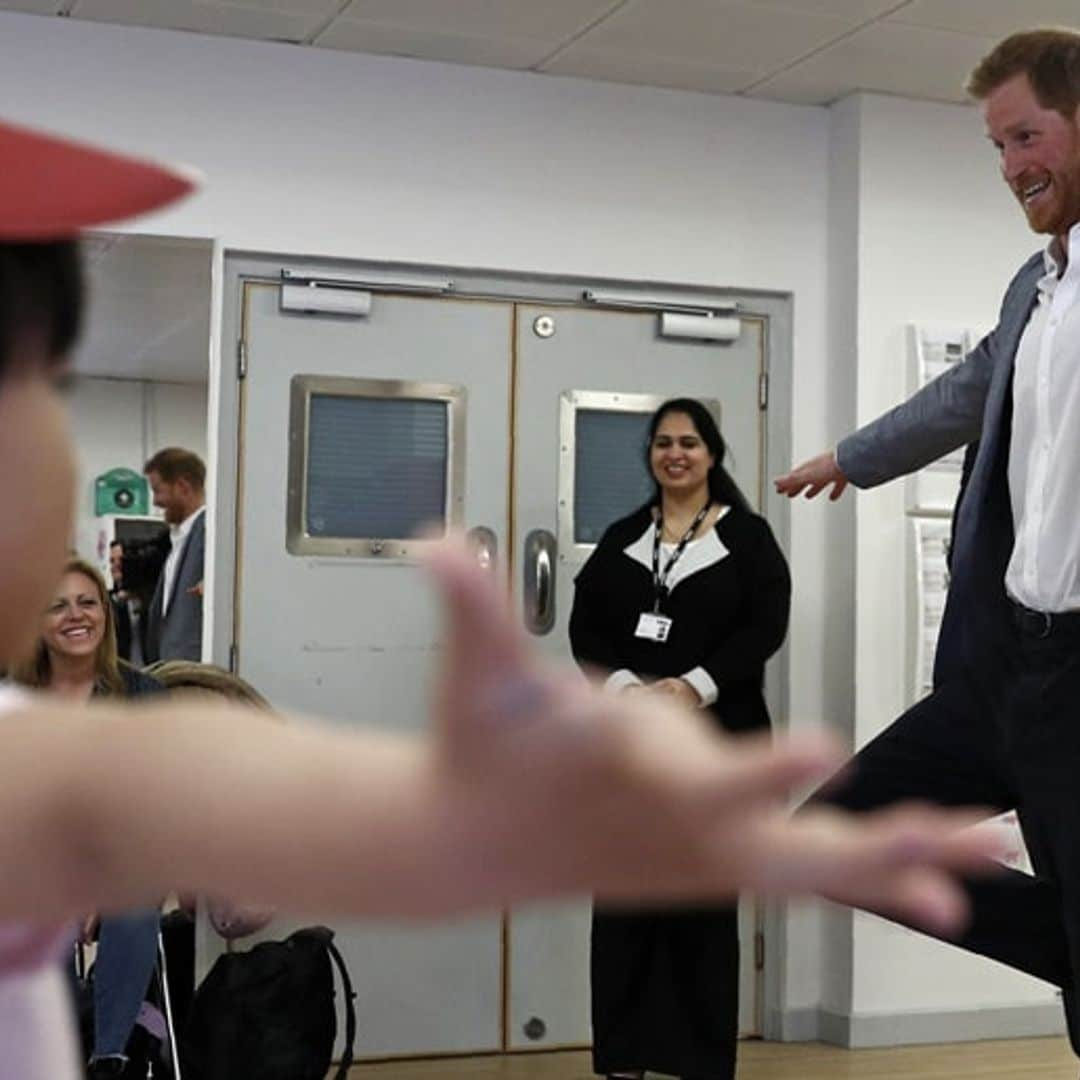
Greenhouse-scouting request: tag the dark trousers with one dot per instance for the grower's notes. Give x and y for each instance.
(665, 991)
(1003, 737)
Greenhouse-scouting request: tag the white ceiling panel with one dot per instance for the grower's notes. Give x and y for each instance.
(805, 51)
(553, 21)
(856, 11)
(235, 20)
(705, 32)
(612, 66)
(322, 8)
(885, 57)
(356, 35)
(33, 7)
(994, 18)
(149, 316)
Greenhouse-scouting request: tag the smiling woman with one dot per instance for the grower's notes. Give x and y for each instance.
(75, 658)
(75, 655)
(686, 598)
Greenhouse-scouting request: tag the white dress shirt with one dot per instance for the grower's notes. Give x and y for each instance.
(178, 535)
(1044, 451)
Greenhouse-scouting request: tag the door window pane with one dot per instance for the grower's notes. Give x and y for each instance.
(610, 475)
(376, 466)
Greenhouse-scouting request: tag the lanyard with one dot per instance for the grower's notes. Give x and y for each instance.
(660, 580)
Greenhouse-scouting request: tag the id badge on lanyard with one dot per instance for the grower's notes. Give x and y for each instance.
(652, 625)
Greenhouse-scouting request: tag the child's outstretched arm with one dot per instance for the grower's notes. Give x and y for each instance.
(530, 785)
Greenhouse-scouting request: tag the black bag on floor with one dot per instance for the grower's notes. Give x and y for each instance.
(268, 1013)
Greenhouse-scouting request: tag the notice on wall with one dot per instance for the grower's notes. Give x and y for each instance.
(932, 351)
(935, 349)
(930, 537)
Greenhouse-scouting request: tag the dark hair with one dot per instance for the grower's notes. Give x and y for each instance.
(1049, 58)
(722, 488)
(174, 463)
(41, 292)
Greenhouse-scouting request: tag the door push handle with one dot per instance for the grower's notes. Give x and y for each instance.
(539, 591)
(484, 546)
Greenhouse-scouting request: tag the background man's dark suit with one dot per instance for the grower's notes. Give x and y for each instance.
(178, 635)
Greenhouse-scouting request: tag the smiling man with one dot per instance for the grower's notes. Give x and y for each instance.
(1002, 727)
(174, 619)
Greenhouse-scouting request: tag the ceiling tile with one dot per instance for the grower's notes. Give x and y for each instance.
(33, 7)
(612, 66)
(359, 36)
(203, 17)
(322, 8)
(885, 57)
(707, 32)
(857, 11)
(992, 18)
(552, 21)
(151, 313)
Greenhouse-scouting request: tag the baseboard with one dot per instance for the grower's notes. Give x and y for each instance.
(961, 1025)
(913, 1028)
(792, 1025)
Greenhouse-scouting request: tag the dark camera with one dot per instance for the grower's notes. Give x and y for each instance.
(143, 559)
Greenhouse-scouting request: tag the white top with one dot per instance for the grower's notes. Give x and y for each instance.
(178, 534)
(698, 554)
(1044, 451)
(37, 1037)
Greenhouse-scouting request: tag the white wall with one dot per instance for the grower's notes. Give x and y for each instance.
(331, 154)
(121, 422)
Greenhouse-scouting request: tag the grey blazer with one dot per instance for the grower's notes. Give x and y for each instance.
(972, 401)
(178, 636)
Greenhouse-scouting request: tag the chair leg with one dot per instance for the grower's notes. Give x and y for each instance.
(170, 1020)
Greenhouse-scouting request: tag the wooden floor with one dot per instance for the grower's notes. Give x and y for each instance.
(1011, 1059)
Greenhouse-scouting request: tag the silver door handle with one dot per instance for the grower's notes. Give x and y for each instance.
(484, 545)
(539, 568)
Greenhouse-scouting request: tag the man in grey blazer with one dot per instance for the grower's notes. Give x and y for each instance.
(1002, 726)
(175, 616)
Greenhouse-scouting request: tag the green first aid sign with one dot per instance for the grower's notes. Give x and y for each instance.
(121, 491)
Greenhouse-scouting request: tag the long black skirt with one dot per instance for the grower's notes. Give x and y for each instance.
(665, 991)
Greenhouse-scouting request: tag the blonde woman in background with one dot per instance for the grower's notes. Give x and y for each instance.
(75, 658)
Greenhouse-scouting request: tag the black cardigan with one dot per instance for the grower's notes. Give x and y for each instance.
(728, 618)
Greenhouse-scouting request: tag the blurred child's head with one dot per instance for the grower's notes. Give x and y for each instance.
(50, 189)
(41, 299)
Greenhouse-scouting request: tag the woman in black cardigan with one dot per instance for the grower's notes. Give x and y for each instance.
(688, 596)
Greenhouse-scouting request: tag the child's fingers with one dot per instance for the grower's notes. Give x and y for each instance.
(483, 644)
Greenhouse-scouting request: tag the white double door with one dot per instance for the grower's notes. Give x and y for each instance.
(552, 402)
